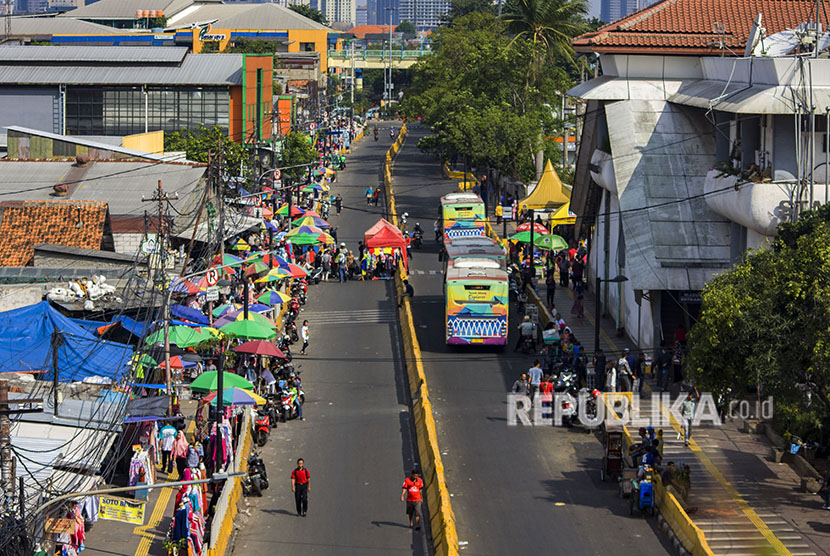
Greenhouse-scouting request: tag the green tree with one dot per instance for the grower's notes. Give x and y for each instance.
(460, 8)
(406, 27)
(310, 13)
(297, 150)
(252, 46)
(767, 322)
(199, 143)
(551, 24)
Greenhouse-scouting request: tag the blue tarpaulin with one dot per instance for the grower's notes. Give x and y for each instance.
(188, 313)
(26, 345)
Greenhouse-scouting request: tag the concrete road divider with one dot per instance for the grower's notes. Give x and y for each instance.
(441, 517)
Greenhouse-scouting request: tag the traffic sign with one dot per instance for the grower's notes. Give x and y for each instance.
(212, 276)
(312, 126)
(277, 174)
(258, 201)
(212, 294)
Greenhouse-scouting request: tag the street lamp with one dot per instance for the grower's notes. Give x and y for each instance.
(389, 85)
(617, 279)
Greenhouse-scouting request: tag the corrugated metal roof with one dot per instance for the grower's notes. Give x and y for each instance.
(121, 184)
(36, 457)
(247, 16)
(89, 143)
(125, 9)
(196, 70)
(26, 25)
(110, 55)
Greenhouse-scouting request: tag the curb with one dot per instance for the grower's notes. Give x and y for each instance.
(442, 518)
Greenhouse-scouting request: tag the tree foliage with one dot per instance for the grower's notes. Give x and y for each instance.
(767, 322)
(475, 94)
(310, 13)
(297, 150)
(252, 46)
(199, 143)
(460, 8)
(406, 27)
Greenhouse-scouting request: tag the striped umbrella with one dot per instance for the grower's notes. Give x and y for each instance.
(307, 220)
(273, 297)
(295, 211)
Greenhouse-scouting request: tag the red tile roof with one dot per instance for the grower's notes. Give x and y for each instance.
(687, 26)
(362, 30)
(28, 223)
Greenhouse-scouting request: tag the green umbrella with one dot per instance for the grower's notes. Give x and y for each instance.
(549, 241)
(250, 329)
(182, 336)
(207, 382)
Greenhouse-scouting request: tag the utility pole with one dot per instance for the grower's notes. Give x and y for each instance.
(7, 482)
(162, 198)
(57, 342)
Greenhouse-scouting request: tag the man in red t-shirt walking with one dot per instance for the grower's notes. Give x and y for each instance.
(412, 491)
(301, 486)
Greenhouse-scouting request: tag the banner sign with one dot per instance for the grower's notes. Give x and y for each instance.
(121, 509)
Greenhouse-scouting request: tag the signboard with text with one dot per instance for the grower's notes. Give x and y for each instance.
(121, 509)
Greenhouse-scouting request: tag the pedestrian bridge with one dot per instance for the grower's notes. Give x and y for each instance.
(401, 59)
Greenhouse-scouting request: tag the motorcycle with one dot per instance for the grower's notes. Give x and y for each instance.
(316, 275)
(289, 401)
(417, 239)
(257, 478)
(528, 345)
(262, 427)
(565, 396)
(284, 343)
(392, 134)
(291, 330)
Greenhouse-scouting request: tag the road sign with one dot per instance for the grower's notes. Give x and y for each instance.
(212, 276)
(277, 174)
(312, 126)
(212, 294)
(258, 201)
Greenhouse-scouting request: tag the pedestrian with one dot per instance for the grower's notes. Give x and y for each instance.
(369, 193)
(180, 453)
(687, 411)
(167, 435)
(436, 227)
(599, 364)
(338, 203)
(304, 336)
(611, 377)
(411, 492)
(624, 370)
(301, 486)
(535, 376)
(193, 457)
(499, 213)
(325, 262)
(578, 308)
(409, 291)
(550, 289)
(341, 265)
(521, 385)
(564, 268)
(333, 233)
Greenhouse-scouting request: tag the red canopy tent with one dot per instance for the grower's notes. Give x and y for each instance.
(385, 235)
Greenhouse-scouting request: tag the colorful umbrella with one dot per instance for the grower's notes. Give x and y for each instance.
(236, 396)
(269, 226)
(207, 381)
(295, 211)
(253, 315)
(275, 274)
(260, 347)
(551, 242)
(308, 235)
(177, 285)
(241, 245)
(178, 363)
(311, 213)
(143, 359)
(297, 271)
(249, 329)
(310, 188)
(222, 309)
(271, 260)
(267, 213)
(182, 336)
(537, 228)
(273, 297)
(227, 260)
(255, 268)
(307, 220)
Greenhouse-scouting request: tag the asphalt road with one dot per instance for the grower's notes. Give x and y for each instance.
(356, 439)
(515, 490)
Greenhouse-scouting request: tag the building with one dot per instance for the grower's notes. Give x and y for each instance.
(361, 15)
(424, 14)
(379, 12)
(79, 90)
(688, 153)
(340, 11)
(612, 10)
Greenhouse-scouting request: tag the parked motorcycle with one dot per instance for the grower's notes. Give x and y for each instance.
(289, 404)
(316, 275)
(257, 478)
(262, 427)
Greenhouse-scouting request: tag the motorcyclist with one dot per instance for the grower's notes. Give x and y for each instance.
(294, 387)
(404, 216)
(392, 132)
(376, 133)
(417, 229)
(527, 329)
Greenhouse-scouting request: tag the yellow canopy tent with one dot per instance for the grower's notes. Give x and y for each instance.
(549, 193)
(563, 216)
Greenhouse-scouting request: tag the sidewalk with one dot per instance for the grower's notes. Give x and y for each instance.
(744, 502)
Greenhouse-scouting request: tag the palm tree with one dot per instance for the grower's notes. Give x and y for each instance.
(551, 24)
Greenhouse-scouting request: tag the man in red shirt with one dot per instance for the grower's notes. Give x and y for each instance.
(301, 486)
(412, 491)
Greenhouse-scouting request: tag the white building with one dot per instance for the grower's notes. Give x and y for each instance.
(688, 158)
(340, 11)
(424, 14)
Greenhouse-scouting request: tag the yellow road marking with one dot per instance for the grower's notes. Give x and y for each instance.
(158, 512)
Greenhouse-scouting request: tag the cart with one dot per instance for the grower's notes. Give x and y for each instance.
(612, 460)
(642, 495)
(626, 482)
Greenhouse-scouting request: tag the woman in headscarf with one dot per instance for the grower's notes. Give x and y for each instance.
(180, 453)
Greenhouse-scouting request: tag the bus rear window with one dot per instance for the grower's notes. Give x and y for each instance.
(477, 287)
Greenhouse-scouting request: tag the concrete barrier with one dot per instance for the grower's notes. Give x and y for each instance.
(441, 517)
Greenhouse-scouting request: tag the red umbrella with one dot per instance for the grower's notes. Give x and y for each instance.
(176, 362)
(260, 347)
(297, 271)
(537, 228)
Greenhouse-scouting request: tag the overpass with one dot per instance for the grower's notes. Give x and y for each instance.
(379, 59)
